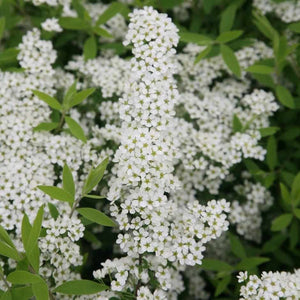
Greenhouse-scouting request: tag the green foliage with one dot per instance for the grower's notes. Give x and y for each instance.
(80, 287)
(96, 216)
(57, 193)
(230, 60)
(76, 129)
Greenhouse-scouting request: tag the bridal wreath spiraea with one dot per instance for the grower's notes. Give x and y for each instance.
(151, 222)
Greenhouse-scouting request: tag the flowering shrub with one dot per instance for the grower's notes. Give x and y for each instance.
(149, 149)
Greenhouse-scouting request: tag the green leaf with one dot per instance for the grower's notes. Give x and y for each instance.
(228, 36)
(236, 246)
(102, 32)
(26, 228)
(34, 257)
(23, 277)
(6, 296)
(260, 69)
(76, 129)
(296, 190)
(252, 167)
(22, 293)
(73, 23)
(297, 212)
(281, 222)
(271, 157)
(195, 38)
(110, 12)
(274, 243)
(57, 193)
(69, 94)
(2, 26)
(96, 216)
(94, 177)
(53, 211)
(79, 97)
(284, 96)
(286, 197)
(203, 54)
(227, 18)
(4, 236)
(237, 125)
(9, 55)
(250, 263)
(80, 287)
(40, 290)
(90, 48)
(167, 4)
(294, 234)
(268, 131)
(35, 231)
(46, 126)
(230, 60)
(295, 27)
(222, 285)
(68, 182)
(52, 102)
(94, 196)
(264, 26)
(215, 265)
(8, 251)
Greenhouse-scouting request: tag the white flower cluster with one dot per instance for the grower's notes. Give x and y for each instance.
(287, 11)
(247, 215)
(51, 24)
(28, 159)
(270, 286)
(143, 173)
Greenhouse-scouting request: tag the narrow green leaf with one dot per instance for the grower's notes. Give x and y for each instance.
(9, 55)
(57, 193)
(34, 257)
(296, 190)
(215, 265)
(53, 211)
(110, 12)
(251, 262)
(8, 251)
(294, 234)
(167, 4)
(76, 129)
(274, 243)
(203, 54)
(227, 18)
(195, 38)
(23, 277)
(6, 296)
(295, 27)
(26, 228)
(51, 101)
(73, 23)
(40, 290)
(260, 69)
(80, 287)
(69, 94)
(271, 157)
(2, 26)
(46, 126)
(90, 48)
(284, 96)
(281, 222)
(94, 196)
(68, 181)
(228, 36)
(96, 216)
(222, 285)
(102, 32)
(237, 125)
(286, 197)
(297, 212)
(236, 246)
(268, 131)
(4, 236)
(35, 230)
(94, 177)
(79, 97)
(230, 60)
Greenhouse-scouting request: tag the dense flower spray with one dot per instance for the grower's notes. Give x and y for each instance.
(143, 173)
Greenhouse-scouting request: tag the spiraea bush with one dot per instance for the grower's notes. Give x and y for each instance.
(149, 150)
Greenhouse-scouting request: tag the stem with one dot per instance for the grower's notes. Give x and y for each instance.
(138, 285)
(61, 122)
(74, 206)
